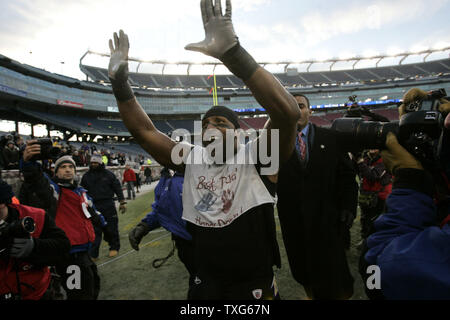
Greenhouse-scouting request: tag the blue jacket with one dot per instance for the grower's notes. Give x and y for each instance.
(412, 252)
(168, 207)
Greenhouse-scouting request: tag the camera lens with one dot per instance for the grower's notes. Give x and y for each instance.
(28, 224)
(355, 134)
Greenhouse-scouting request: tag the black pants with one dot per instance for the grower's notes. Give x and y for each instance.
(369, 215)
(79, 265)
(252, 288)
(186, 255)
(111, 234)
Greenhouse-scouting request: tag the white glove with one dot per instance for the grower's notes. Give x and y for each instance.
(118, 62)
(219, 31)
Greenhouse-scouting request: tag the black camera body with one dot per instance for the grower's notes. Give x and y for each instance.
(418, 131)
(48, 151)
(17, 229)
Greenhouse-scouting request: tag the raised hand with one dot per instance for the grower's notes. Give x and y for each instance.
(219, 32)
(32, 149)
(118, 67)
(118, 63)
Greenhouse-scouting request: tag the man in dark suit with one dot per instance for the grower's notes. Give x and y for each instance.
(317, 199)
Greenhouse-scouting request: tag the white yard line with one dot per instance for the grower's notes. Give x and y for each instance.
(131, 251)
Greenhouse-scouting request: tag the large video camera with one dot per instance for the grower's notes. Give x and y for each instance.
(48, 151)
(17, 229)
(419, 131)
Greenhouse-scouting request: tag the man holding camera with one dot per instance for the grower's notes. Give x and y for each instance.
(74, 213)
(410, 244)
(29, 242)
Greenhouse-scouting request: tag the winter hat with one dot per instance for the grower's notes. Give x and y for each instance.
(6, 192)
(64, 159)
(222, 111)
(96, 158)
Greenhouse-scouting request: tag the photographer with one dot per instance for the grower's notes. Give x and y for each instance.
(74, 212)
(375, 187)
(410, 244)
(25, 254)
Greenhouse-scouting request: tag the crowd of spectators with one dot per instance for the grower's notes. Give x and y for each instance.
(12, 146)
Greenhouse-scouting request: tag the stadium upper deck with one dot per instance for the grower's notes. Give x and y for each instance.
(25, 87)
(291, 79)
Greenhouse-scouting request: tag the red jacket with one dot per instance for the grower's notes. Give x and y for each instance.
(34, 281)
(71, 217)
(129, 175)
(376, 178)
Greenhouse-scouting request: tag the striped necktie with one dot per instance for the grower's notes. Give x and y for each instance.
(302, 145)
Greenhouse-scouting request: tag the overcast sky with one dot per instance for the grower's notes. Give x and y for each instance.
(44, 33)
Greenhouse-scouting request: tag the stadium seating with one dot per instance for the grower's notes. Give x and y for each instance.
(244, 124)
(193, 81)
(319, 121)
(387, 73)
(182, 124)
(339, 76)
(391, 114)
(369, 75)
(167, 81)
(434, 67)
(330, 117)
(288, 80)
(143, 80)
(410, 71)
(256, 123)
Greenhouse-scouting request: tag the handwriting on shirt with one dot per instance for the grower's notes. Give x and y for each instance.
(211, 184)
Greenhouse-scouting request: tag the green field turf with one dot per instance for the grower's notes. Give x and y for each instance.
(131, 276)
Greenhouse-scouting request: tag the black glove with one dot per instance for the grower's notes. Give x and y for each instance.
(135, 236)
(21, 248)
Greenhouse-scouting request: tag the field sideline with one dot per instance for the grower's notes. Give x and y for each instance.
(131, 276)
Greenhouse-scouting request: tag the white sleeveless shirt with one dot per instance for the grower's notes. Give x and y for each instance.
(216, 195)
